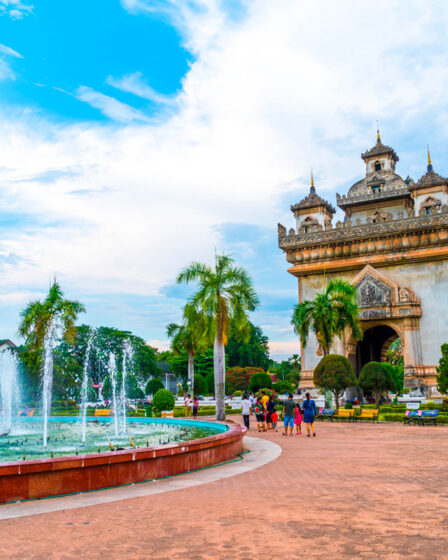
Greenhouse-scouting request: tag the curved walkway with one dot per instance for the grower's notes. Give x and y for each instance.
(354, 491)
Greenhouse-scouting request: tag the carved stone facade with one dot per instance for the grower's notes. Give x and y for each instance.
(392, 244)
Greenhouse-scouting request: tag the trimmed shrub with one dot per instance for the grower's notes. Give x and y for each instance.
(334, 373)
(377, 379)
(163, 400)
(260, 381)
(153, 386)
(237, 393)
(348, 406)
(283, 387)
(200, 384)
(237, 379)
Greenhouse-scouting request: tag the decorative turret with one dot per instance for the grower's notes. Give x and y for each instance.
(430, 193)
(312, 213)
(380, 157)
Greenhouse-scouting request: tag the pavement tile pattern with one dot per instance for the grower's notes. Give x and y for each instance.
(353, 492)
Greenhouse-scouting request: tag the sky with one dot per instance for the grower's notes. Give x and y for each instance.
(137, 136)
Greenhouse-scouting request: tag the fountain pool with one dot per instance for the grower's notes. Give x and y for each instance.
(163, 447)
(63, 438)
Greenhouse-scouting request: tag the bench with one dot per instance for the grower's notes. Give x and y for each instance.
(325, 413)
(102, 412)
(427, 417)
(345, 414)
(410, 416)
(368, 414)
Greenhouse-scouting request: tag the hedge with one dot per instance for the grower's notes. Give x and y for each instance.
(399, 417)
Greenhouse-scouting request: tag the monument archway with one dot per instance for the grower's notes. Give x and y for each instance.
(374, 345)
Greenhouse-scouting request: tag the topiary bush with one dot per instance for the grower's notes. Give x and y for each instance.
(163, 400)
(260, 381)
(377, 379)
(200, 384)
(153, 386)
(283, 387)
(237, 393)
(348, 406)
(334, 373)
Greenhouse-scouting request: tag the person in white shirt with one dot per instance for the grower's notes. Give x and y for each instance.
(187, 403)
(246, 410)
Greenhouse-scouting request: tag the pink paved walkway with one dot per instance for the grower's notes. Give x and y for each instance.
(354, 491)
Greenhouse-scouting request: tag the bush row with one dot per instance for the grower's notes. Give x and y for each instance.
(398, 417)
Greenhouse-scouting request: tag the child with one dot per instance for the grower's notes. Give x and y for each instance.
(274, 418)
(298, 421)
(260, 415)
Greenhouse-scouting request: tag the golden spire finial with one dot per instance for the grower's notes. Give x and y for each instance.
(312, 178)
(429, 155)
(378, 137)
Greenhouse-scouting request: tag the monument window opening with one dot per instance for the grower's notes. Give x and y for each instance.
(377, 166)
(376, 188)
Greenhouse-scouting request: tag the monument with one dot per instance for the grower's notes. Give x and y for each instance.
(393, 246)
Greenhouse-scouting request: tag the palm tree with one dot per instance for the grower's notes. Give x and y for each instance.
(225, 294)
(328, 315)
(187, 338)
(40, 316)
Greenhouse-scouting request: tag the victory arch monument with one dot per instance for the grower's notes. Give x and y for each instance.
(393, 246)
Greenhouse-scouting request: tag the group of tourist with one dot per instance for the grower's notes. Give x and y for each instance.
(191, 406)
(264, 408)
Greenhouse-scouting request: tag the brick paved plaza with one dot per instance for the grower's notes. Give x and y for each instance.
(354, 491)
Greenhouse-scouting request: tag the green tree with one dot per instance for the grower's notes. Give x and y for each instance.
(397, 373)
(328, 315)
(153, 386)
(254, 352)
(376, 378)
(260, 381)
(442, 370)
(225, 294)
(188, 338)
(200, 384)
(334, 373)
(237, 379)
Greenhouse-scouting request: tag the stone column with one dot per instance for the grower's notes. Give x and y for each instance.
(412, 351)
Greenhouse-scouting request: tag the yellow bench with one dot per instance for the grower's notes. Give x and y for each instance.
(103, 412)
(368, 414)
(345, 414)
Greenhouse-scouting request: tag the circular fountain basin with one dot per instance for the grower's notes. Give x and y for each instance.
(175, 446)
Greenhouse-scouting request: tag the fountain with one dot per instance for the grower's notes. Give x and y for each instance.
(113, 378)
(49, 344)
(85, 379)
(128, 356)
(8, 389)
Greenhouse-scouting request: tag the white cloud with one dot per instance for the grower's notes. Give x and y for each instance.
(292, 85)
(6, 72)
(109, 106)
(282, 350)
(133, 83)
(15, 9)
(10, 52)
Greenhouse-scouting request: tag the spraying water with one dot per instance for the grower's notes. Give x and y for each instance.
(49, 344)
(128, 355)
(85, 379)
(113, 377)
(9, 389)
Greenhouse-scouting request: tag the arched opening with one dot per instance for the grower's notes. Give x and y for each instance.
(374, 346)
(377, 166)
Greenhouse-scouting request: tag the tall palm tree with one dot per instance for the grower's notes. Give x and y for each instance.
(225, 294)
(328, 315)
(39, 316)
(187, 337)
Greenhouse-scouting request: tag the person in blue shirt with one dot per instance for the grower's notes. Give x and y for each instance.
(309, 414)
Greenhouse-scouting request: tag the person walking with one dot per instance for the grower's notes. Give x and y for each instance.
(309, 414)
(246, 406)
(270, 409)
(195, 406)
(298, 420)
(252, 401)
(260, 415)
(288, 415)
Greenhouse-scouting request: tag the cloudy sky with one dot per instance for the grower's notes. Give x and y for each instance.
(139, 135)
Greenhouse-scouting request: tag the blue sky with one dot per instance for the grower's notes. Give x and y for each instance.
(139, 135)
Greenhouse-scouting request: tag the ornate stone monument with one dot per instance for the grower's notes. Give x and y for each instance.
(393, 246)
